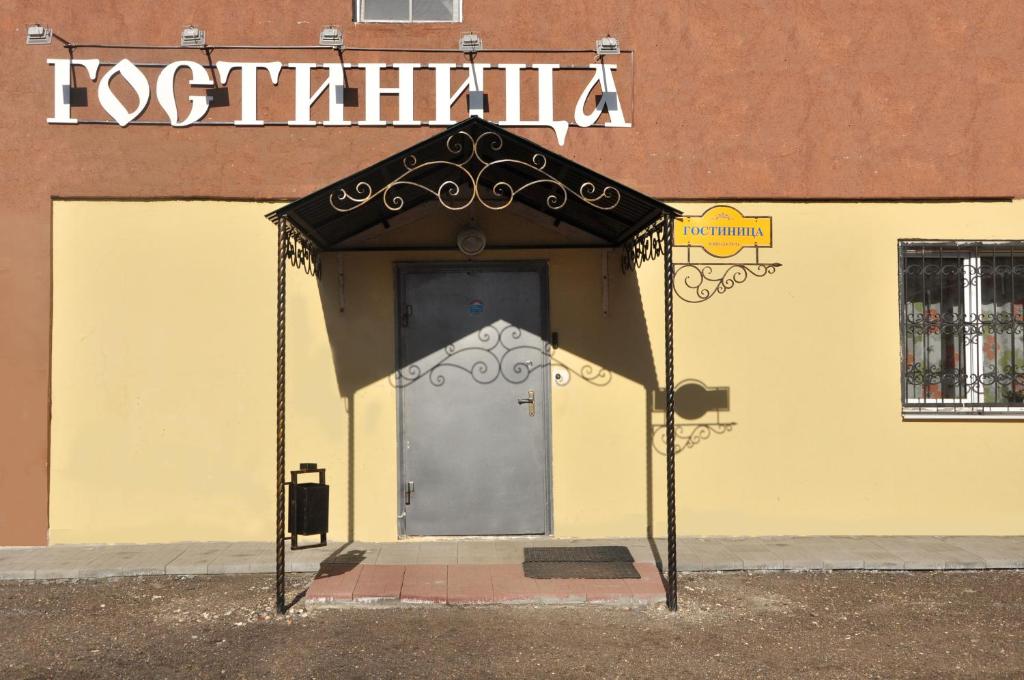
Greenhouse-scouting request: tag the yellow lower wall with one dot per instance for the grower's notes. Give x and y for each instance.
(163, 384)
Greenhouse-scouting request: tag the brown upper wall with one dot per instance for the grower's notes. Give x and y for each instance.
(730, 99)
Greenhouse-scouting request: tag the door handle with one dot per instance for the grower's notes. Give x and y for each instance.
(531, 401)
(410, 489)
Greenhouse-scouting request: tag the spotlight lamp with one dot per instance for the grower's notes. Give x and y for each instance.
(330, 36)
(37, 34)
(470, 43)
(471, 241)
(193, 37)
(607, 46)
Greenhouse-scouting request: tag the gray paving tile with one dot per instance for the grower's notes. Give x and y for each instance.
(354, 555)
(72, 553)
(997, 552)
(834, 552)
(873, 555)
(102, 571)
(795, 554)
(20, 554)
(687, 557)
(953, 556)
(477, 552)
(916, 552)
(398, 553)
(64, 562)
(924, 552)
(233, 566)
(60, 569)
(196, 558)
(244, 559)
(509, 552)
(147, 561)
(591, 542)
(707, 554)
(543, 542)
(643, 553)
(714, 555)
(301, 566)
(249, 549)
(15, 570)
(755, 554)
(444, 552)
(62, 573)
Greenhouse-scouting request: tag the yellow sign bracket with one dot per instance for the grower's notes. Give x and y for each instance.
(721, 232)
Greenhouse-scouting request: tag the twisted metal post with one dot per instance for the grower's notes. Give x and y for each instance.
(282, 252)
(670, 419)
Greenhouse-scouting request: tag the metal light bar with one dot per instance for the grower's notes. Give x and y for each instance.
(470, 43)
(607, 46)
(330, 36)
(38, 34)
(192, 36)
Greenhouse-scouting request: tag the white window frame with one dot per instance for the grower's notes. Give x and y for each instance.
(967, 407)
(456, 13)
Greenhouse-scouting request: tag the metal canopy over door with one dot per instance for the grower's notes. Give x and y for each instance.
(473, 384)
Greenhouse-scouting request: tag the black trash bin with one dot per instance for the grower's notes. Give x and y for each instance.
(307, 506)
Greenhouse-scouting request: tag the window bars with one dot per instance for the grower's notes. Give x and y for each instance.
(962, 326)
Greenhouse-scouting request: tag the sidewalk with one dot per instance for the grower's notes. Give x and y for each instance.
(695, 554)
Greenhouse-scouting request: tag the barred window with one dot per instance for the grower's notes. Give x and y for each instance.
(962, 322)
(410, 10)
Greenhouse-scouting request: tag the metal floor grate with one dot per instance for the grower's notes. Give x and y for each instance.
(590, 562)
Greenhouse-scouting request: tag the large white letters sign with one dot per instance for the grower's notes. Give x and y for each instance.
(597, 105)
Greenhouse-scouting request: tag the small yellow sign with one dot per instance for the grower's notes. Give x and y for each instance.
(723, 231)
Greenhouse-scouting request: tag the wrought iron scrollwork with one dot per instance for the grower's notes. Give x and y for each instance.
(691, 281)
(962, 271)
(920, 374)
(969, 326)
(645, 246)
(497, 356)
(700, 281)
(299, 251)
(463, 180)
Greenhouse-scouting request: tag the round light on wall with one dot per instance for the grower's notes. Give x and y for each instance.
(471, 241)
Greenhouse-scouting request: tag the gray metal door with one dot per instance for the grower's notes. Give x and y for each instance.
(473, 399)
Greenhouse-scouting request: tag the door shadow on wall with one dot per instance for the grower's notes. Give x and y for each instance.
(595, 348)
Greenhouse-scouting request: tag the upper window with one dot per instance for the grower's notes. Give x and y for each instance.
(962, 321)
(410, 10)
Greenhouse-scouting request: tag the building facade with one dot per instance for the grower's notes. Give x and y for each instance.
(874, 380)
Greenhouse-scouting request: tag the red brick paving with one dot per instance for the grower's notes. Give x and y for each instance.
(470, 584)
(475, 584)
(561, 590)
(379, 582)
(510, 585)
(425, 583)
(650, 584)
(334, 583)
(605, 591)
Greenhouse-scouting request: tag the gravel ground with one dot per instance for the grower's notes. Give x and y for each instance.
(924, 624)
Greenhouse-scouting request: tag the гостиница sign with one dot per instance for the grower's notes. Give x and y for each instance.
(723, 231)
(599, 97)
